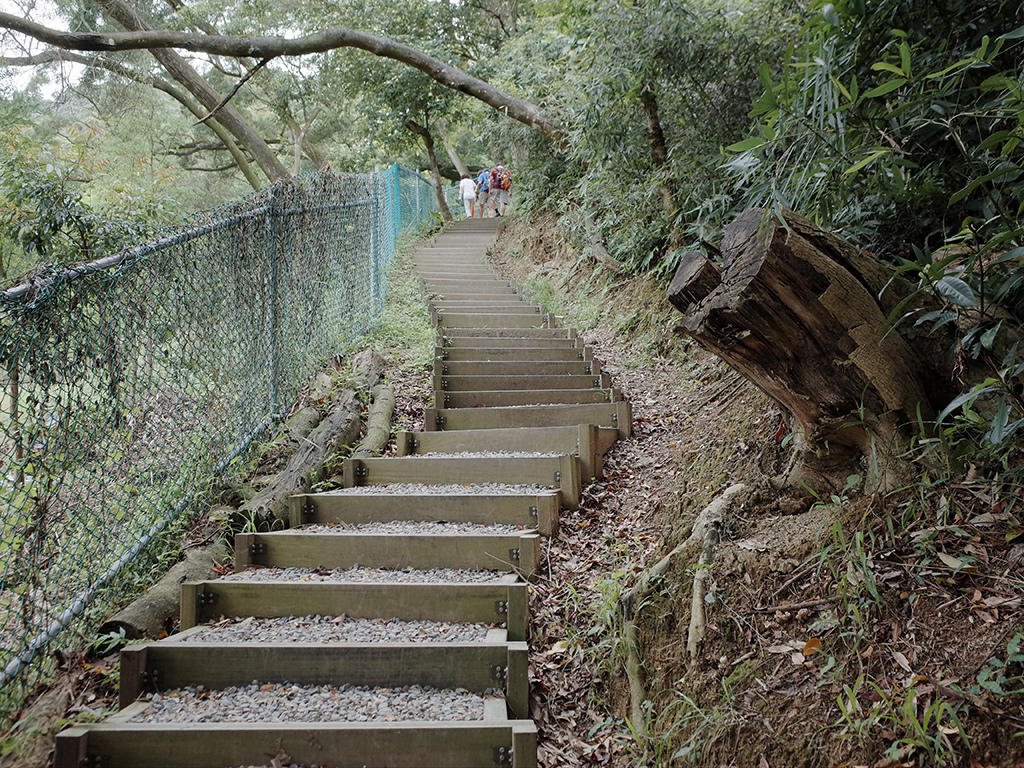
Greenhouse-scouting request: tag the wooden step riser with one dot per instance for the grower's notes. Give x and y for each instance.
(286, 549)
(163, 666)
(500, 603)
(505, 342)
(616, 415)
(466, 284)
(587, 441)
(491, 320)
(529, 397)
(538, 510)
(451, 334)
(340, 745)
(513, 368)
(522, 308)
(511, 354)
(450, 382)
(560, 472)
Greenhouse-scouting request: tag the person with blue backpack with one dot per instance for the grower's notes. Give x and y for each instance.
(483, 191)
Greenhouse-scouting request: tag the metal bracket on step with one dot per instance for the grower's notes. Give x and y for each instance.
(597, 382)
(534, 512)
(258, 548)
(308, 508)
(499, 673)
(502, 756)
(96, 761)
(589, 369)
(447, 399)
(615, 417)
(444, 354)
(413, 444)
(513, 555)
(148, 679)
(444, 383)
(444, 369)
(361, 471)
(580, 355)
(206, 598)
(501, 607)
(441, 420)
(558, 477)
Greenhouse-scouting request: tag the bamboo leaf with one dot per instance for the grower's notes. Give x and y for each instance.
(743, 146)
(887, 87)
(886, 66)
(905, 58)
(965, 397)
(867, 160)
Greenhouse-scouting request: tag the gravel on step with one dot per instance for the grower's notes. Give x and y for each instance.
(357, 574)
(421, 489)
(335, 629)
(414, 528)
(486, 455)
(287, 703)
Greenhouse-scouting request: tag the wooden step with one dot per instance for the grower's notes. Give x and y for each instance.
(473, 666)
(530, 510)
(454, 332)
(516, 342)
(617, 415)
(561, 472)
(464, 283)
(513, 368)
(502, 602)
(295, 549)
(520, 308)
(340, 745)
(494, 320)
(454, 382)
(472, 353)
(587, 441)
(509, 398)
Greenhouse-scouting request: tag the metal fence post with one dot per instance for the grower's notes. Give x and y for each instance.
(272, 235)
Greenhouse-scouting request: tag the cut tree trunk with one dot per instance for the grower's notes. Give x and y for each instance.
(378, 423)
(149, 615)
(803, 315)
(339, 428)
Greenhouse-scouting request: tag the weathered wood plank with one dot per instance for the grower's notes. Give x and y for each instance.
(560, 472)
(340, 745)
(441, 665)
(518, 343)
(295, 549)
(526, 355)
(457, 332)
(475, 307)
(510, 368)
(530, 510)
(490, 320)
(587, 441)
(617, 415)
(499, 399)
(457, 382)
(485, 603)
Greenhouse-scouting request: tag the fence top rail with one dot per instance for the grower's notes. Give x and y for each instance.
(57, 274)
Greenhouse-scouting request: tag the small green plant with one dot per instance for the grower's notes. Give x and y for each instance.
(108, 643)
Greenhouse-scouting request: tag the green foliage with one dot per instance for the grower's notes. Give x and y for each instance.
(44, 210)
(899, 124)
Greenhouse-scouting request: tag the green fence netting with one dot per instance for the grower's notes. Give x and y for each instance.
(130, 382)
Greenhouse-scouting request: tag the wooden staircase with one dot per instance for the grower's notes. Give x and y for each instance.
(522, 417)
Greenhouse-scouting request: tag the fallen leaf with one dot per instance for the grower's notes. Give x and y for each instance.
(811, 647)
(901, 660)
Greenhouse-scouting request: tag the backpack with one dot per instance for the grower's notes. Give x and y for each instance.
(505, 180)
(494, 178)
(484, 182)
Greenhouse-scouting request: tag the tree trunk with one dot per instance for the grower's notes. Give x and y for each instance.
(378, 423)
(659, 155)
(797, 311)
(453, 153)
(148, 616)
(187, 77)
(435, 169)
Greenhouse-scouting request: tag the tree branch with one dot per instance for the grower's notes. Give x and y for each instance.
(273, 47)
(242, 81)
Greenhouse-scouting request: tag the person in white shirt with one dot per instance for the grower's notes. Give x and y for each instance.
(467, 191)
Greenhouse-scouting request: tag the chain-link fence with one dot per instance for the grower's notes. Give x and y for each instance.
(129, 382)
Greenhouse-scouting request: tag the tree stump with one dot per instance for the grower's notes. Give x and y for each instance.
(803, 315)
